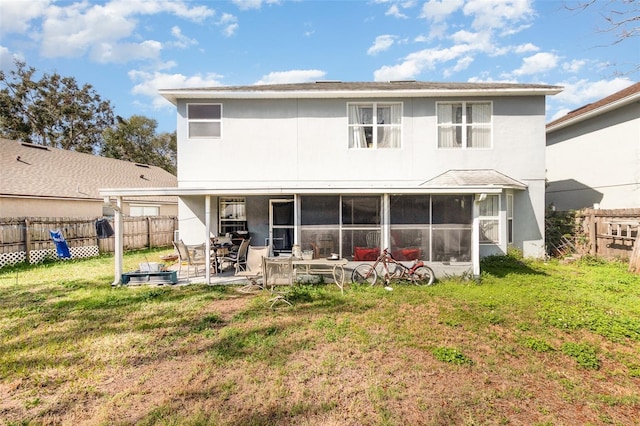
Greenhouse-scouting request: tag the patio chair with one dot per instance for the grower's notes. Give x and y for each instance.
(192, 256)
(373, 239)
(239, 258)
(253, 268)
(278, 278)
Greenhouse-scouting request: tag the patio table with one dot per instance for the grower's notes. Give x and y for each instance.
(335, 267)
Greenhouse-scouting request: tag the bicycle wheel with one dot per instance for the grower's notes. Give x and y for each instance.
(423, 275)
(364, 274)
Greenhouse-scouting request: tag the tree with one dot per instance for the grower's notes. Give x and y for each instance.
(53, 111)
(620, 18)
(136, 140)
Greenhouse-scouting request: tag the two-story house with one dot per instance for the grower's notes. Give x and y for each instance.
(448, 172)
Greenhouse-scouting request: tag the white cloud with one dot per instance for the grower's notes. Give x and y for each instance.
(394, 11)
(537, 64)
(497, 14)
(461, 65)
(148, 84)
(526, 48)
(439, 10)
(248, 4)
(253, 4)
(417, 62)
(382, 43)
(7, 59)
(578, 93)
(182, 41)
(292, 76)
(123, 52)
(574, 66)
(80, 28)
(229, 24)
(581, 92)
(16, 16)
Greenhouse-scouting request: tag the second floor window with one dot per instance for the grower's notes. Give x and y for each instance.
(205, 121)
(464, 124)
(375, 125)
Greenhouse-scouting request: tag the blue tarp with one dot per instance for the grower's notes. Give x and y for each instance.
(61, 244)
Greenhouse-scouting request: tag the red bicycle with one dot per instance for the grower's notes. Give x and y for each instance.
(418, 273)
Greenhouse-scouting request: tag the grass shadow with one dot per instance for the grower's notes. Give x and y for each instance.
(501, 266)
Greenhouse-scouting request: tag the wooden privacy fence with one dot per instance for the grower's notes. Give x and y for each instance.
(28, 239)
(610, 233)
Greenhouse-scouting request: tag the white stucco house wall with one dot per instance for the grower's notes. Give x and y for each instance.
(449, 172)
(593, 154)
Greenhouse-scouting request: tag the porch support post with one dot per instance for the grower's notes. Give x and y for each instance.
(475, 239)
(118, 241)
(386, 220)
(207, 241)
(296, 219)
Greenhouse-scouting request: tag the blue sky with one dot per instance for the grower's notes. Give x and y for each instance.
(128, 49)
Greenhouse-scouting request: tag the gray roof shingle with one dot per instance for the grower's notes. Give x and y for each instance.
(481, 177)
(34, 170)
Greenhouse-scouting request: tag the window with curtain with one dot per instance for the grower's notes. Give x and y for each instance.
(464, 124)
(375, 125)
(489, 217)
(204, 121)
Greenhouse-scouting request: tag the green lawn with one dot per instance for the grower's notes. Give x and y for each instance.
(531, 343)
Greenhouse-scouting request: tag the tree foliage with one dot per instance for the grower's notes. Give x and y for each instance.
(52, 111)
(136, 140)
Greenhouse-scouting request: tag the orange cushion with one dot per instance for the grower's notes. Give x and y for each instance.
(366, 253)
(407, 254)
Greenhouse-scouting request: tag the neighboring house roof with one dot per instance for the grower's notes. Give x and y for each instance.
(473, 178)
(337, 89)
(39, 171)
(617, 100)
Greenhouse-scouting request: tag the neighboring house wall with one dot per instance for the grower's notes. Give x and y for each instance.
(40, 207)
(34, 207)
(596, 161)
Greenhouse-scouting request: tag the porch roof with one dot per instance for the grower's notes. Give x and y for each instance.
(473, 178)
(450, 182)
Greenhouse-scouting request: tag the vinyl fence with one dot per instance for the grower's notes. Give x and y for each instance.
(28, 239)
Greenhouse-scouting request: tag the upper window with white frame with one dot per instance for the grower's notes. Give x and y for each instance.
(205, 121)
(464, 124)
(375, 125)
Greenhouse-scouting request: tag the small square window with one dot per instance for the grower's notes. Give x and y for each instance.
(204, 121)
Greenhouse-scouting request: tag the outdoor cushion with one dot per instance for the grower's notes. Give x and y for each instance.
(407, 254)
(366, 253)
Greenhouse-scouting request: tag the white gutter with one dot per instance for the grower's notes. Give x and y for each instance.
(149, 192)
(173, 95)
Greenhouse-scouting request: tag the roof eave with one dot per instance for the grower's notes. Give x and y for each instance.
(594, 113)
(149, 192)
(173, 95)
